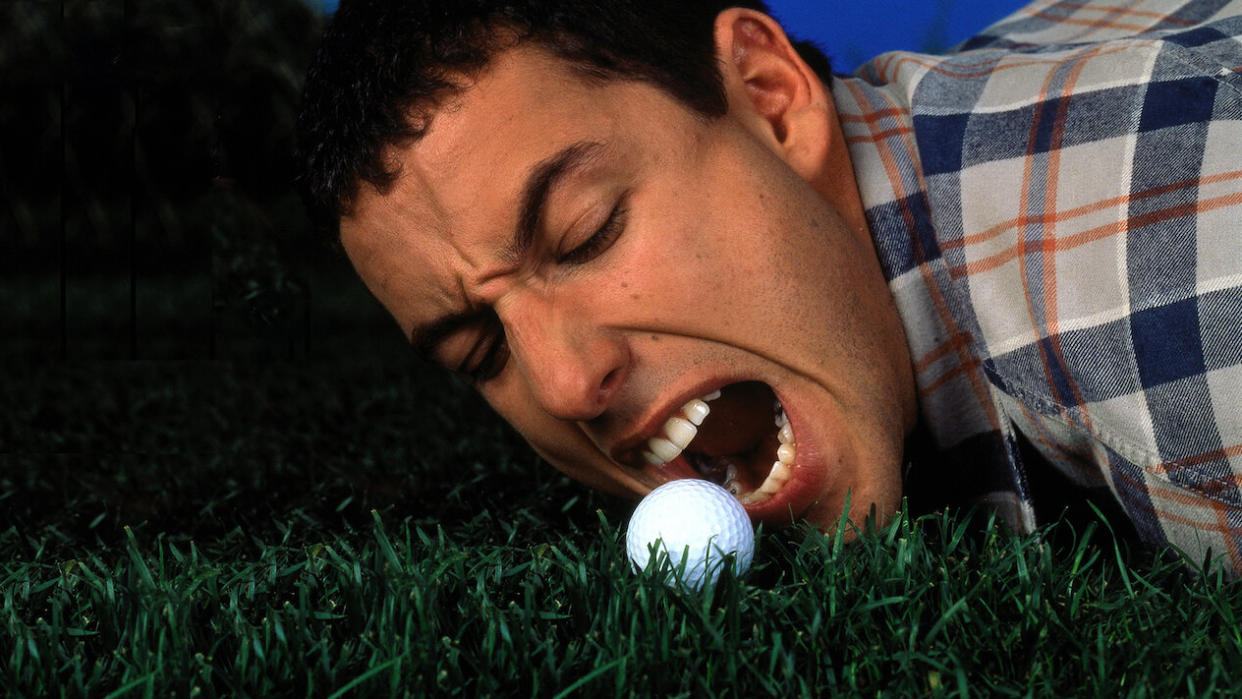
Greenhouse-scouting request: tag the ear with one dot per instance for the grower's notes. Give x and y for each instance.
(773, 91)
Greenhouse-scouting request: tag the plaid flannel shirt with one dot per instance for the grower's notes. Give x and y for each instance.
(1057, 205)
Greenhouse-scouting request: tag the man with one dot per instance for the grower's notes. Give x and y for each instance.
(662, 245)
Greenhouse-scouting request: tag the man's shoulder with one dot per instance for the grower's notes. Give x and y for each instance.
(1050, 50)
(1066, 209)
(1051, 23)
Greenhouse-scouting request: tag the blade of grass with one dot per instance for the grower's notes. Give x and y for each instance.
(582, 681)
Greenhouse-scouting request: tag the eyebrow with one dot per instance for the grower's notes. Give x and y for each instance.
(544, 177)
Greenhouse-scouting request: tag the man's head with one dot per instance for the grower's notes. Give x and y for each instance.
(602, 248)
(383, 67)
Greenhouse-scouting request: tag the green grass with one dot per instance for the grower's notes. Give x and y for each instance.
(921, 607)
(359, 526)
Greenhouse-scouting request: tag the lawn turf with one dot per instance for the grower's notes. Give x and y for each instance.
(362, 526)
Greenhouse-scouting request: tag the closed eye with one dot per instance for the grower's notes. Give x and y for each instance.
(489, 354)
(602, 239)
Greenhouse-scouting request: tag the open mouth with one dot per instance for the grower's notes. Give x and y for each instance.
(738, 437)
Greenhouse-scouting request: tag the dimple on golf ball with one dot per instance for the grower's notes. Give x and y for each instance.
(694, 518)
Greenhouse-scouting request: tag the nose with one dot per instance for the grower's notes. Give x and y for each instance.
(572, 365)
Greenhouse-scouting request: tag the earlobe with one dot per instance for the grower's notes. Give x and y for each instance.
(773, 90)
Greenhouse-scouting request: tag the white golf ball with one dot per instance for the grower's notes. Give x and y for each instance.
(693, 518)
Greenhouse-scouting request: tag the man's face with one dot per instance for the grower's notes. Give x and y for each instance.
(606, 261)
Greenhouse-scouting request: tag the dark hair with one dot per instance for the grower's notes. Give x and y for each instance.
(385, 65)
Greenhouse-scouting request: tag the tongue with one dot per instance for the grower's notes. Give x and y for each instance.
(740, 419)
(680, 468)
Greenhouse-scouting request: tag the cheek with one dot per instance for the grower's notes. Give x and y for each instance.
(694, 248)
(567, 449)
(555, 440)
(724, 267)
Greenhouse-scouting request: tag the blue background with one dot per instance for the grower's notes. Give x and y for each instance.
(852, 31)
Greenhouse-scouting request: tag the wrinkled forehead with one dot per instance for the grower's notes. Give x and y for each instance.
(455, 201)
(479, 142)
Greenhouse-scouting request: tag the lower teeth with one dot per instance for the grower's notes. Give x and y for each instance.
(781, 471)
(771, 485)
(782, 468)
(724, 471)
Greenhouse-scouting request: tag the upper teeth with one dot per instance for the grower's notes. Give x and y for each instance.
(679, 431)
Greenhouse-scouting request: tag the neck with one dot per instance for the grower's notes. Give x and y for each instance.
(836, 182)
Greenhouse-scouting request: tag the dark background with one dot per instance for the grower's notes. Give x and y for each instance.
(146, 164)
(179, 353)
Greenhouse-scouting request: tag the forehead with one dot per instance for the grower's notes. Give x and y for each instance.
(503, 117)
(454, 205)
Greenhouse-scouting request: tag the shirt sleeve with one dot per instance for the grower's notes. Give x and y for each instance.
(1046, 23)
(1086, 188)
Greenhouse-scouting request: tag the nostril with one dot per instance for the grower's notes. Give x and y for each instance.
(611, 379)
